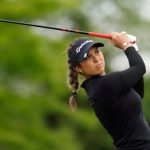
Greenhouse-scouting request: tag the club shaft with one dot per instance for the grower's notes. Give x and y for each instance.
(107, 36)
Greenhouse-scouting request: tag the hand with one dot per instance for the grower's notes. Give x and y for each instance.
(120, 40)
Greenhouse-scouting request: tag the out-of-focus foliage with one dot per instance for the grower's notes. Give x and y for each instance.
(34, 112)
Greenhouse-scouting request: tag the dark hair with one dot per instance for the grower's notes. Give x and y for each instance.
(73, 80)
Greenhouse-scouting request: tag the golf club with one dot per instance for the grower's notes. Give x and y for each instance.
(106, 36)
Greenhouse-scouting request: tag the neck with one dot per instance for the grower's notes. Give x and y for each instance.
(87, 77)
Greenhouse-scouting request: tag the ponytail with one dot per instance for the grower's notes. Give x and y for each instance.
(73, 83)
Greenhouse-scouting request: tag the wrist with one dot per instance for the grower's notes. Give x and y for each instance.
(126, 45)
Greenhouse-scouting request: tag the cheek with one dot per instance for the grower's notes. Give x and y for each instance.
(102, 59)
(102, 56)
(87, 66)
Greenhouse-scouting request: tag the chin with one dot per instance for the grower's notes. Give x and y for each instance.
(102, 71)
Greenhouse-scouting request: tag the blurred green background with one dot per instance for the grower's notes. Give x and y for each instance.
(34, 112)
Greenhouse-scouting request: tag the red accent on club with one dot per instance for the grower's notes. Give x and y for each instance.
(107, 36)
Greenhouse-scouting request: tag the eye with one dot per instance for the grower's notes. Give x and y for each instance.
(97, 51)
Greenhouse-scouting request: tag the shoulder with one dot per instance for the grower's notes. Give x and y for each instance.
(101, 79)
(91, 81)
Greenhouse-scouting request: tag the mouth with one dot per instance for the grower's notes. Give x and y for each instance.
(99, 66)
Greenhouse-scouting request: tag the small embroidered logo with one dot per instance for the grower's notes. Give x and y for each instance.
(79, 48)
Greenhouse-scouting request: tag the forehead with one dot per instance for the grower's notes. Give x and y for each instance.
(92, 49)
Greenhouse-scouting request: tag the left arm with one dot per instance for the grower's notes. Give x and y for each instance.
(119, 40)
(139, 87)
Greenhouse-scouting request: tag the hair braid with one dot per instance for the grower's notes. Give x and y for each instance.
(73, 82)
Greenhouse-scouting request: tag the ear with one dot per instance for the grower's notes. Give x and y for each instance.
(78, 69)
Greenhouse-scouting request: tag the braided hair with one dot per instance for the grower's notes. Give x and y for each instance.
(73, 80)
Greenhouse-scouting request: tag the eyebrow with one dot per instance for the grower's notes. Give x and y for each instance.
(96, 48)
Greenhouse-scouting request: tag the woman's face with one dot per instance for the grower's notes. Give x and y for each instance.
(94, 64)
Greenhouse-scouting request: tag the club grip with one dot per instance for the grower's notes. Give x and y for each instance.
(106, 36)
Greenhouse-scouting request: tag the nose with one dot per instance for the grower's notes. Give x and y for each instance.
(96, 58)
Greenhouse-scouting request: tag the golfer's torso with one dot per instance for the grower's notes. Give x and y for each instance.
(123, 118)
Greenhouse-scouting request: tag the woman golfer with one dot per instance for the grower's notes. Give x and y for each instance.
(115, 97)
